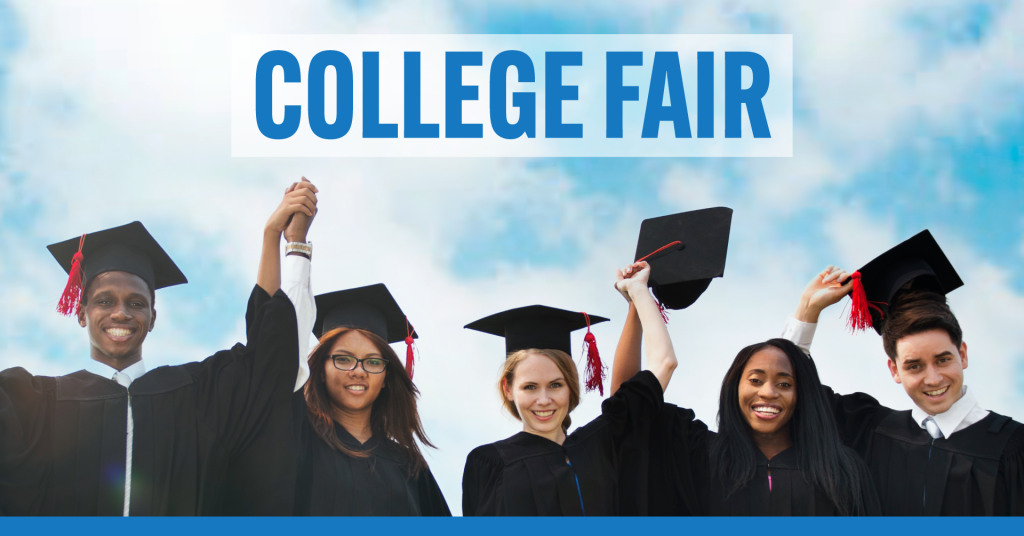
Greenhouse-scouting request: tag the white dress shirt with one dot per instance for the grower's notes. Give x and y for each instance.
(124, 378)
(963, 413)
(295, 272)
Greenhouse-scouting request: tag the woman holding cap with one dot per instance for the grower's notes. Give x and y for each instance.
(544, 470)
(777, 451)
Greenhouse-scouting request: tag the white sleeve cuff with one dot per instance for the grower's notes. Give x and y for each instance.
(799, 333)
(295, 277)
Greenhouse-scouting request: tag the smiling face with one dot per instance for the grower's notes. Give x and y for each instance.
(353, 391)
(931, 369)
(541, 395)
(767, 392)
(118, 312)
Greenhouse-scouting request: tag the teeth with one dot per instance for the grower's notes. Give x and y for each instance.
(937, 392)
(766, 409)
(544, 413)
(356, 388)
(119, 332)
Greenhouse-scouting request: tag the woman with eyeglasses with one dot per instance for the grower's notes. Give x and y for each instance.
(356, 420)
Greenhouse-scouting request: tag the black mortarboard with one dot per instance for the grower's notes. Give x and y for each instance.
(372, 308)
(128, 248)
(535, 326)
(681, 272)
(917, 263)
(546, 328)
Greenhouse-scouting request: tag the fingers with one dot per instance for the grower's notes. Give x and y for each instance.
(305, 182)
(305, 206)
(303, 190)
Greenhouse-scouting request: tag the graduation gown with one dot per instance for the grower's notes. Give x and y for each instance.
(62, 439)
(332, 483)
(976, 471)
(679, 481)
(529, 475)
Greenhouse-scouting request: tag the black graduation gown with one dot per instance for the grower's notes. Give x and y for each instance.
(332, 483)
(976, 471)
(62, 439)
(680, 481)
(527, 475)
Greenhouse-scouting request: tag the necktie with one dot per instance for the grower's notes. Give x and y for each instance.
(123, 379)
(933, 428)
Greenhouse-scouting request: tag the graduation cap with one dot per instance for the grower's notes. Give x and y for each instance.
(917, 263)
(546, 328)
(128, 248)
(685, 251)
(371, 308)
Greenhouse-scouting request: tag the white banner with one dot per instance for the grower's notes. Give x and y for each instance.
(512, 95)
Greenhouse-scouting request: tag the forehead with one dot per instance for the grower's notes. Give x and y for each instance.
(771, 360)
(537, 368)
(118, 282)
(355, 342)
(925, 344)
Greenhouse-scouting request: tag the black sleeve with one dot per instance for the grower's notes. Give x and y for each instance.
(481, 482)
(632, 409)
(238, 387)
(26, 440)
(1009, 498)
(857, 416)
(432, 501)
(679, 464)
(868, 492)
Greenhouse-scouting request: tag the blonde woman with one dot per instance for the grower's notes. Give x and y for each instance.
(544, 470)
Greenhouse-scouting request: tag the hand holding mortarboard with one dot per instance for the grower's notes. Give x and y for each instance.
(632, 279)
(825, 289)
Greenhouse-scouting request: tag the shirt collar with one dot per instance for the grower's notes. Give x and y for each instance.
(134, 371)
(951, 418)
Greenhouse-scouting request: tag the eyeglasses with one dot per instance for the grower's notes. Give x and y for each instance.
(372, 365)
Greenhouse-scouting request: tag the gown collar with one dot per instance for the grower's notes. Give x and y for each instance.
(134, 371)
(783, 460)
(351, 442)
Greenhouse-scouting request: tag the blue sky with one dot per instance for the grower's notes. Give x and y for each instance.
(909, 115)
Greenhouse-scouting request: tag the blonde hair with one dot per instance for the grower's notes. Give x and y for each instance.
(565, 365)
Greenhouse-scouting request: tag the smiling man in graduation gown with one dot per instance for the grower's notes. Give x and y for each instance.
(118, 439)
(948, 455)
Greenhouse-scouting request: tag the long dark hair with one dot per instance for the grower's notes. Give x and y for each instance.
(822, 458)
(393, 415)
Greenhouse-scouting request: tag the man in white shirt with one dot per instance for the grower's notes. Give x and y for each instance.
(948, 455)
(119, 439)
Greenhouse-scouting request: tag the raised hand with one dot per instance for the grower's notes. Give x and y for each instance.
(298, 227)
(299, 198)
(631, 279)
(826, 288)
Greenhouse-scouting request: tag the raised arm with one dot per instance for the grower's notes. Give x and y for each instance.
(661, 357)
(627, 353)
(825, 289)
(299, 198)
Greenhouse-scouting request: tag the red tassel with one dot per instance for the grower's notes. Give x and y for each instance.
(71, 300)
(409, 351)
(860, 310)
(661, 309)
(595, 371)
